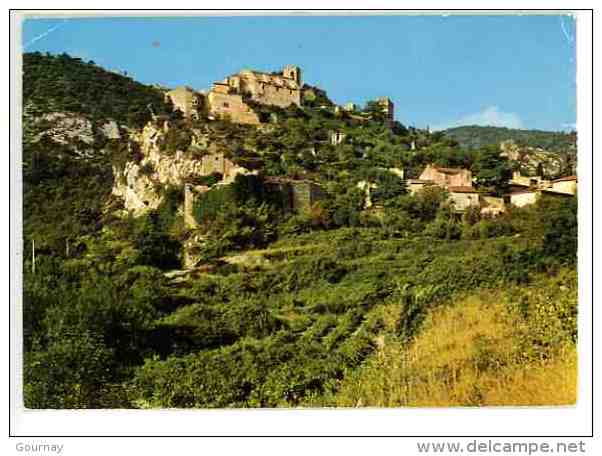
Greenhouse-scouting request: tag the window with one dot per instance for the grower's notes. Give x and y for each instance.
(226, 105)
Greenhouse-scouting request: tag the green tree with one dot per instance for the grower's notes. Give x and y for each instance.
(560, 229)
(492, 170)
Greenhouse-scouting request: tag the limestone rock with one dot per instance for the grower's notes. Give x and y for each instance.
(141, 184)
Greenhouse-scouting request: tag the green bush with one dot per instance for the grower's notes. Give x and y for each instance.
(155, 246)
(549, 310)
(147, 169)
(560, 229)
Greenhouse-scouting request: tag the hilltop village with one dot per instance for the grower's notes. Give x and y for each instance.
(256, 244)
(238, 98)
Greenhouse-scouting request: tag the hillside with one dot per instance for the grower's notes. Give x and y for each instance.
(474, 136)
(136, 299)
(63, 83)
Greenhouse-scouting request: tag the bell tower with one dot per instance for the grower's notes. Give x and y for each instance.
(292, 72)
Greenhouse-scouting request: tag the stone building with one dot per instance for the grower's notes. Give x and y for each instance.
(463, 197)
(227, 98)
(492, 205)
(218, 163)
(367, 188)
(521, 198)
(388, 108)
(224, 102)
(566, 185)
(416, 185)
(520, 182)
(447, 177)
(187, 100)
(278, 89)
(297, 195)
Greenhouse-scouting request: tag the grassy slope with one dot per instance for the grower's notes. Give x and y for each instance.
(298, 331)
(469, 353)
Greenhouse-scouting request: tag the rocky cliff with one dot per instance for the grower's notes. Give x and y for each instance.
(156, 165)
(534, 161)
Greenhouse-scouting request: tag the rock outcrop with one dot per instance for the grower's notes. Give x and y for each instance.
(536, 160)
(141, 183)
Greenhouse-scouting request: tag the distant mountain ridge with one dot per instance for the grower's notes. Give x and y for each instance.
(474, 136)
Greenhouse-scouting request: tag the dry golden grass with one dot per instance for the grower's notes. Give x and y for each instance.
(468, 354)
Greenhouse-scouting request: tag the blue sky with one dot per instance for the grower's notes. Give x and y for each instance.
(440, 71)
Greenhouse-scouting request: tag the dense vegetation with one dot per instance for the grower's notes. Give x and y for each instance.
(63, 83)
(474, 137)
(277, 327)
(285, 309)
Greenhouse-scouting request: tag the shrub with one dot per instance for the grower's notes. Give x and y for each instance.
(295, 225)
(147, 169)
(489, 228)
(155, 247)
(560, 229)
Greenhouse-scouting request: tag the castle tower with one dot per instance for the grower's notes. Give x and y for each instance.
(292, 72)
(387, 107)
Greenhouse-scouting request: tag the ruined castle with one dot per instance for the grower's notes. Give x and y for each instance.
(229, 98)
(234, 96)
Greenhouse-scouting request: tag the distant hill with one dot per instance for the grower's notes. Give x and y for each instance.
(64, 83)
(474, 136)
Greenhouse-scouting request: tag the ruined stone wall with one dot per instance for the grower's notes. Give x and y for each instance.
(461, 178)
(463, 201)
(305, 195)
(218, 163)
(233, 106)
(491, 205)
(188, 207)
(297, 196)
(186, 100)
(282, 95)
(267, 88)
(388, 108)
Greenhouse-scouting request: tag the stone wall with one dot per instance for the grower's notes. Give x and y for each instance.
(218, 163)
(568, 186)
(462, 200)
(492, 206)
(520, 199)
(231, 105)
(305, 195)
(186, 100)
(447, 177)
(388, 108)
(190, 194)
(297, 195)
(416, 185)
(269, 89)
(282, 89)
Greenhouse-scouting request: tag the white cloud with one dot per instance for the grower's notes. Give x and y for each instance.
(569, 126)
(490, 116)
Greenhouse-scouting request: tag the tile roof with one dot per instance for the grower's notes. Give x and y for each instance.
(566, 178)
(450, 170)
